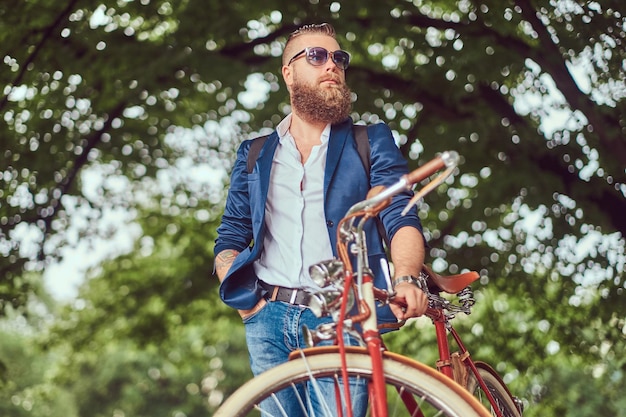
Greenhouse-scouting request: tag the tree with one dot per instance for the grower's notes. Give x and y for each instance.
(529, 92)
(148, 335)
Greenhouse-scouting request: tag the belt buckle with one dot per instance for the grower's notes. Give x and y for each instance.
(294, 294)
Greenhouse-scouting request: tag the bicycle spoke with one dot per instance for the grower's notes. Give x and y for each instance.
(503, 402)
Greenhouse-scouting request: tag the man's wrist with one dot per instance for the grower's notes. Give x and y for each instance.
(402, 279)
(411, 279)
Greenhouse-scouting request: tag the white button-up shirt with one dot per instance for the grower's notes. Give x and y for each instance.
(296, 232)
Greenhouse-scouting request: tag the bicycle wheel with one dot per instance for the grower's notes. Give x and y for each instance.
(501, 394)
(408, 382)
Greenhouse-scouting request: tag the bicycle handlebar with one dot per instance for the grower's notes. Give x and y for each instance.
(374, 204)
(341, 282)
(446, 159)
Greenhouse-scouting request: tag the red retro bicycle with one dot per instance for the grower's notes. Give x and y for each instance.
(397, 385)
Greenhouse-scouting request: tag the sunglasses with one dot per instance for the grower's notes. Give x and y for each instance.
(316, 56)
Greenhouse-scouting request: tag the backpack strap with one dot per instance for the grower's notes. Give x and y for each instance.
(254, 151)
(363, 147)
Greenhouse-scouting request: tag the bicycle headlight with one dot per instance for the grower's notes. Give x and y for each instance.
(327, 272)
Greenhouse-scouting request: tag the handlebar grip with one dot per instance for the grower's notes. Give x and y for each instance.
(446, 159)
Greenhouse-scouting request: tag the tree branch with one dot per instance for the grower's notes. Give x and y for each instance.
(47, 34)
(604, 126)
(92, 142)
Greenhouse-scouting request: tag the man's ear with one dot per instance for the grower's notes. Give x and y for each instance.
(287, 76)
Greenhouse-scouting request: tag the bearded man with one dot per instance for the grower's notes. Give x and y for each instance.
(281, 218)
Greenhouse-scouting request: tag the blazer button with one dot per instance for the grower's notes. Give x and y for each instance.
(329, 223)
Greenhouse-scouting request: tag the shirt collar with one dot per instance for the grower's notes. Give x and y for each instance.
(283, 130)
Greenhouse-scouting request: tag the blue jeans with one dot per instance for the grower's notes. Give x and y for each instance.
(275, 331)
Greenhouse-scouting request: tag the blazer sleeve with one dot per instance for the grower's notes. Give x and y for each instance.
(387, 166)
(235, 231)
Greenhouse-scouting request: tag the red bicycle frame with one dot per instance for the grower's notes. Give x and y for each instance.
(445, 365)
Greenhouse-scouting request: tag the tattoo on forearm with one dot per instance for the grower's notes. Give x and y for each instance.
(224, 259)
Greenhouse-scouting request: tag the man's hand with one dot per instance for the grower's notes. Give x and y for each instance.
(415, 299)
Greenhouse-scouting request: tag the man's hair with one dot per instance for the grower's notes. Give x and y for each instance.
(317, 29)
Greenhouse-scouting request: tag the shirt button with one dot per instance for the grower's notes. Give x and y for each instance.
(329, 223)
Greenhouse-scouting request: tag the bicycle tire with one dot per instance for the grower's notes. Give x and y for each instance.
(501, 394)
(436, 394)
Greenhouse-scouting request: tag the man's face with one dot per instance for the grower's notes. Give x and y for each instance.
(318, 93)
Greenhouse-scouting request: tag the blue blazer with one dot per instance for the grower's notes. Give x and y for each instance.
(345, 183)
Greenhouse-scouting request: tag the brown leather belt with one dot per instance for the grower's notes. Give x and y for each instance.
(287, 295)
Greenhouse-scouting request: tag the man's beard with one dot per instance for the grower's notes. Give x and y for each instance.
(319, 104)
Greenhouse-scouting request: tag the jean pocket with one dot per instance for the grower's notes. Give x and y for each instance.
(254, 313)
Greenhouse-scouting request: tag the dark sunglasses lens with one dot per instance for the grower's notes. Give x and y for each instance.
(317, 56)
(341, 59)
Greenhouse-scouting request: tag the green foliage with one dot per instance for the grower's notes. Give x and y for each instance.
(24, 388)
(148, 336)
(135, 108)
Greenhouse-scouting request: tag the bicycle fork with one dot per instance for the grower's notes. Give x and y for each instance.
(371, 335)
